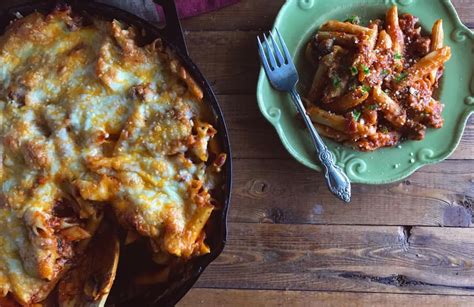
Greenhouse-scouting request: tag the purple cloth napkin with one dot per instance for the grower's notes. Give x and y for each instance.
(186, 8)
(189, 8)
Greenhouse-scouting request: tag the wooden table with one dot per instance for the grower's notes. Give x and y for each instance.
(290, 241)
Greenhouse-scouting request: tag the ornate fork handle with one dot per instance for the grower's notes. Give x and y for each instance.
(336, 179)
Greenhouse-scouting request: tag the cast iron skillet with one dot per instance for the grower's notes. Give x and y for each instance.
(170, 293)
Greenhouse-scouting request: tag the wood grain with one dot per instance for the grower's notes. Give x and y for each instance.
(229, 60)
(288, 234)
(261, 15)
(261, 298)
(276, 191)
(350, 258)
(269, 187)
(251, 15)
(254, 138)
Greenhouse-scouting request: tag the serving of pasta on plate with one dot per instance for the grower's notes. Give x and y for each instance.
(375, 86)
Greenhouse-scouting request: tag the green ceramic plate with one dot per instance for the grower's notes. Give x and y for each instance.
(299, 19)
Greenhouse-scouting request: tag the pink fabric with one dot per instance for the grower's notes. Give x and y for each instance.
(189, 8)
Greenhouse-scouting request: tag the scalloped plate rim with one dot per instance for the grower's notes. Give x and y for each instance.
(468, 111)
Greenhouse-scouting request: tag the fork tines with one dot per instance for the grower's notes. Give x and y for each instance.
(268, 50)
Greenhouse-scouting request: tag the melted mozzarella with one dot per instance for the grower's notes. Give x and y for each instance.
(88, 109)
(13, 276)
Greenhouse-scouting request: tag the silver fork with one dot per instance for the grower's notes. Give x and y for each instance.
(283, 76)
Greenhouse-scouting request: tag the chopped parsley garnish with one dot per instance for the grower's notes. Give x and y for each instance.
(365, 88)
(372, 107)
(354, 70)
(356, 114)
(336, 82)
(365, 70)
(397, 56)
(384, 72)
(384, 129)
(401, 76)
(353, 19)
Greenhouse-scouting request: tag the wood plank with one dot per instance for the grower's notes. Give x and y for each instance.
(229, 60)
(231, 297)
(251, 15)
(425, 260)
(436, 195)
(253, 137)
(243, 16)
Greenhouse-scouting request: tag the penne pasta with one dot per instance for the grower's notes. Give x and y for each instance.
(349, 100)
(437, 37)
(331, 133)
(340, 38)
(309, 54)
(331, 120)
(338, 26)
(372, 36)
(196, 225)
(361, 129)
(364, 58)
(318, 83)
(390, 108)
(123, 133)
(432, 61)
(339, 122)
(373, 85)
(193, 229)
(377, 140)
(393, 29)
(384, 42)
(332, 58)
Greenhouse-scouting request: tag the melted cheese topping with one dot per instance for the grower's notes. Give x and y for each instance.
(87, 115)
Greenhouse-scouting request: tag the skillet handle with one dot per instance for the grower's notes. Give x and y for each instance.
(172, 30)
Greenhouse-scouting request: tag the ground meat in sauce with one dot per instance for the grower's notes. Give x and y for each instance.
(379, 65)
(421, 46)
(416, 45)
(324, 47)
(414, 130)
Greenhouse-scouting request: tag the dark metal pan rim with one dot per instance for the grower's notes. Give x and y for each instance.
(218, 237)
